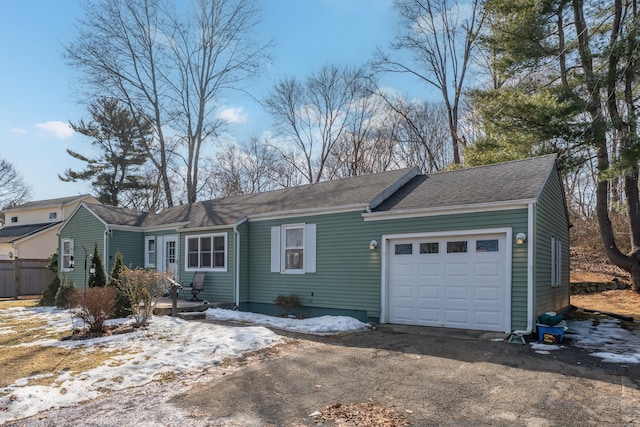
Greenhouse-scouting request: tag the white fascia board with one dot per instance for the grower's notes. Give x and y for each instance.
(447, 210)
(307, 212)
(164, 227)
(206, 228)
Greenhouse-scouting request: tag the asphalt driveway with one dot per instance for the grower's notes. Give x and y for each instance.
(433, 376)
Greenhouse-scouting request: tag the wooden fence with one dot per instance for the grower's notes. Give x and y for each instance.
(20, 277)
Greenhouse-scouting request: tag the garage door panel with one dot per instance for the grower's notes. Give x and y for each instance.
(457, 294)
(456, 317)
(429, 316)
(434, 287)
(429, 271)
(489, 319)
(487, 294)
(403, 291)
(487, 269)
(457, 269)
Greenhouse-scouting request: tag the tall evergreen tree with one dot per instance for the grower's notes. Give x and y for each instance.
(567, 82)
(120, 138)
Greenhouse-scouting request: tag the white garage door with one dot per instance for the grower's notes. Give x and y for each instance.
(455, 282)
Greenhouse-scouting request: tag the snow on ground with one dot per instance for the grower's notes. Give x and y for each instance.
(168, 345)
(315, 325)
(605, 339)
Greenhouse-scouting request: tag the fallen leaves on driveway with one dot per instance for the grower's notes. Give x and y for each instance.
(361, 415)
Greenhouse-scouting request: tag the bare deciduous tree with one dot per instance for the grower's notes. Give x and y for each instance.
(246, 169)
(174, 64)
(13, 189)
(313, 115)
(441, 36)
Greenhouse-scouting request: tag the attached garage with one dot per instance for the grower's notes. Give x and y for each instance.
(457, 280)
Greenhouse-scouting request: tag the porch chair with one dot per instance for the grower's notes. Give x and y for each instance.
(195, 287)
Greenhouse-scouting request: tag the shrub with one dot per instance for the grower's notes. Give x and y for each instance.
(142, 288)
(63, 296)
(287, 304)
(95, 305)
(48, 297)
(123, 305)
(98, 278)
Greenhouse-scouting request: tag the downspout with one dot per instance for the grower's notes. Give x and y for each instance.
(236, 233)
(530, 290)
(105, 248)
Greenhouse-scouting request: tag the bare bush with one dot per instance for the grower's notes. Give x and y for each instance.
(142, 288)
(94, 306)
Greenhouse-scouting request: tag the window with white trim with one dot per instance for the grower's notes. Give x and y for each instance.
(150, 251)
(556, 262)
(14, 219)
(206, 252)
(67, 254)
(53, 215)
(293, 249)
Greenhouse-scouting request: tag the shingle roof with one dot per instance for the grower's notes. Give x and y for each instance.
(357, 191)
(397, 190)
(12, 233)
(119, 216)
(501, 182)
(48, 202)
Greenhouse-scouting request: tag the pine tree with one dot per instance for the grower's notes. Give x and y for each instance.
(98, 278)
(120, 138)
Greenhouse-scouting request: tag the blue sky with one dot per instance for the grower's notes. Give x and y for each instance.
(36, 86)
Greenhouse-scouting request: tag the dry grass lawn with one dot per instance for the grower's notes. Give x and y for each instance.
(625, 302)
(41, 364)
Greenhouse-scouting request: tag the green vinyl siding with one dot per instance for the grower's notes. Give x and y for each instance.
(243, 230)
(551, 221)
(86, 231)
(130, 244)
(348, 273)
(219, 286)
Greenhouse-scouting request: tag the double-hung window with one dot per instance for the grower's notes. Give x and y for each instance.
(67, 254)
(206, 252)
(556, 262)
(293, 249)
(150, 251)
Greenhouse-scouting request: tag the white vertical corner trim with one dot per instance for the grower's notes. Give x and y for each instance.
(275, 249)
(310, 248)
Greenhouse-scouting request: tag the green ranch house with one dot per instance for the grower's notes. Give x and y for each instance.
(485, 248)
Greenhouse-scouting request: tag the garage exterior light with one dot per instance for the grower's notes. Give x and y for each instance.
(520, 238)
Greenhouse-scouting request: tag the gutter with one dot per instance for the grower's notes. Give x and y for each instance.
(530, 293)
(236, 233)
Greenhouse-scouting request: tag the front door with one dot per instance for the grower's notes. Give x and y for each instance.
(169, 256)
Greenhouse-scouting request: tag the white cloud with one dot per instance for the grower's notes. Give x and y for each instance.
(233, 115)
(60, 130)
(18, 131)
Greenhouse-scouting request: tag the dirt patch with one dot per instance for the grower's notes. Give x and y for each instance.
(361, 415)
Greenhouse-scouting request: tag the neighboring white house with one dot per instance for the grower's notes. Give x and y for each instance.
(30, 230)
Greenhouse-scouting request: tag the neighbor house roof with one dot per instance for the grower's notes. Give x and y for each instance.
(41, 204)
(515, 181)
(10, 234)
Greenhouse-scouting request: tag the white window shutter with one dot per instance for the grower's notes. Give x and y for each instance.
(275, 250)
(310, 248)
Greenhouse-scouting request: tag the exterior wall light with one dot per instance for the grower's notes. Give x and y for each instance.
(373, 244)
(520, 238)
